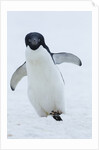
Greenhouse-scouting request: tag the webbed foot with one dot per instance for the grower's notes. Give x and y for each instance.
(56, 115)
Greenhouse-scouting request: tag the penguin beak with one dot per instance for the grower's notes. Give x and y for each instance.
(33, 41)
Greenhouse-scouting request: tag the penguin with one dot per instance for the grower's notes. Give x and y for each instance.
(45, 81)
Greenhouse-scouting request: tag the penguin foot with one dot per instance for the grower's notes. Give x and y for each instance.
(56, 115)
(57, 118)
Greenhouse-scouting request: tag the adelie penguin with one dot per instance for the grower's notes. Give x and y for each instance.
(45, 82)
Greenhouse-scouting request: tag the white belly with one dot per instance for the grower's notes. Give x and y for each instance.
(45, 84)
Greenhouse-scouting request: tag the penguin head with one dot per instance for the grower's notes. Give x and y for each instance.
(34, 40)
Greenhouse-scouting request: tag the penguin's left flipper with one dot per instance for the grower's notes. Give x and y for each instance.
(66, 57)
(18, 75)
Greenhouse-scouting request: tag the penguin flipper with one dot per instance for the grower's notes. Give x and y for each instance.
(18, 75)
(66, 57)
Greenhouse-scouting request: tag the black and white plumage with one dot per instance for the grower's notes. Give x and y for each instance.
(45, 83)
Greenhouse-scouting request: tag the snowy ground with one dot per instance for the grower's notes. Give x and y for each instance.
(75, 32)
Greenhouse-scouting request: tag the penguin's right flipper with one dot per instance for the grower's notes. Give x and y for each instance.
(66, 57)
(18, 75)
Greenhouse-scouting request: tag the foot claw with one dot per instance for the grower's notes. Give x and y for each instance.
(56, 115)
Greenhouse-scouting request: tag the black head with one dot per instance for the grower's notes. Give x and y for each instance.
(34, 40)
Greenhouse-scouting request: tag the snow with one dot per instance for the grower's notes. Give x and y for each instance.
(63, 31)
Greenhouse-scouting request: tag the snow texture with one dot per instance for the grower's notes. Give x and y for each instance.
(63, 31)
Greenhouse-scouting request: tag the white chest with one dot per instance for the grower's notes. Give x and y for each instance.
(45, 85)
